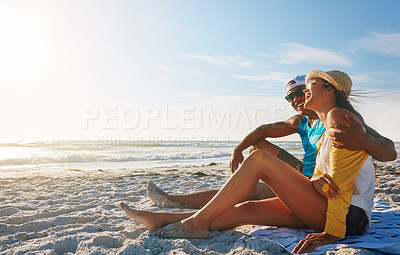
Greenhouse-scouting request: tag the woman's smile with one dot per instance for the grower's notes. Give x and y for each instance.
(307, 97)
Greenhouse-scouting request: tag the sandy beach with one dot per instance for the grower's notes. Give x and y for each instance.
(77, 212)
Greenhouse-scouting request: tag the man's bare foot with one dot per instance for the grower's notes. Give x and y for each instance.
(183, 229)
(159, 197)
(149, 219)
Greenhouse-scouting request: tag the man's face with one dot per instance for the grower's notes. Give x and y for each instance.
(298, 100)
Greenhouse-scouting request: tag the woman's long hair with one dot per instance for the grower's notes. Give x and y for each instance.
(342, 101)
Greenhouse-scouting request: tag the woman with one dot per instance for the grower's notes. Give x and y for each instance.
(299, 205)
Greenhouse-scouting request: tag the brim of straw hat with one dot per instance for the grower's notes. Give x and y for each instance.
(338, 79)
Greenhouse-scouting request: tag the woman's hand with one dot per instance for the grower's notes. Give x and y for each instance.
(325, 186)
(313, 241)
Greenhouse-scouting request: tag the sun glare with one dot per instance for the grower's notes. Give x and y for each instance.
(20, 44)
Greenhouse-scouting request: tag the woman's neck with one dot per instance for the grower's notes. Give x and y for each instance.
(322, 113)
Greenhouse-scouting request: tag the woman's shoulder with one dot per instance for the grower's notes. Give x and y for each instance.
(337, 116)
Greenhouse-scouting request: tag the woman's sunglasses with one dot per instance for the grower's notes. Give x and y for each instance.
(297, 93)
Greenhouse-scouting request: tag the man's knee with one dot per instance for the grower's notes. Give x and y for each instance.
(290, 159)
(265, 145)
(262, 144)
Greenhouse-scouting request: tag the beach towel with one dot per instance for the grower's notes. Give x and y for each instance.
(382, 238)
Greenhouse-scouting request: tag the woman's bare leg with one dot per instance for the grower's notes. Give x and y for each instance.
(293, 189)
(267, 212)
(200, 198)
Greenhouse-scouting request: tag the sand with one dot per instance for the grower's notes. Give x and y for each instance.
(77, 212)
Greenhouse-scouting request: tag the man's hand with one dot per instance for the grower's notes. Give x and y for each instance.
(325, 186)
(352, 138)
(236, 160)
(313, 241)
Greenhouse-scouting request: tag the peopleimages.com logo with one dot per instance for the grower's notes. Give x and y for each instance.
(198, 117)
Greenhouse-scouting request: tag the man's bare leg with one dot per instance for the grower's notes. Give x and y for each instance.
(279, 176)
(189, 200)
(154, 220)
(198, 199)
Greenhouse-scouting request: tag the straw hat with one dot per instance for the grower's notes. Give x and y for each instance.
(338, 79)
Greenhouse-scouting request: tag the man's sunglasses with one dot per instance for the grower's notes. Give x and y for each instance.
(297, 93)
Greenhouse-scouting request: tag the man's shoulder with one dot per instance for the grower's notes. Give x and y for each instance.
(294, 120)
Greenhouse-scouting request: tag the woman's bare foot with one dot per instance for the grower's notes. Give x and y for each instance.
(183, 229)
(149, 219)
(159, 197)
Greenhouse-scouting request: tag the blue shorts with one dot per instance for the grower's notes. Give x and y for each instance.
(356, 221)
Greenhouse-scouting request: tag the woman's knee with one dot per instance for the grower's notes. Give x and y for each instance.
(264, 162)
(260, 156)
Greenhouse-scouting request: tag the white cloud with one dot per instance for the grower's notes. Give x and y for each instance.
(160, 80)
(380, 77)
(207, 59)
(295, 53)
(386, 44)
(163, 68)
(268, 86)
(263, 55)
(191, 94)
(246, 64)
(273, 77)
(218, 61)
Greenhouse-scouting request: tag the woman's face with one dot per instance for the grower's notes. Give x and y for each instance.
(315, 93)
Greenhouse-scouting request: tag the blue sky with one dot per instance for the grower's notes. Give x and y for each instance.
(186, 70)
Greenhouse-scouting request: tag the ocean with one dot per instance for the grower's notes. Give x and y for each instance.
(26, 158)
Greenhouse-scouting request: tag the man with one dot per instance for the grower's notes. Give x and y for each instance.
(310, 129)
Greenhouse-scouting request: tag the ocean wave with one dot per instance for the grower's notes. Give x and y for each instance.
(95, 145)
(91, 158)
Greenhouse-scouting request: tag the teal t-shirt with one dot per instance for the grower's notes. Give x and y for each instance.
(309, 137)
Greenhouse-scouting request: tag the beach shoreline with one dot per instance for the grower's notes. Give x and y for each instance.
(77, 212)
